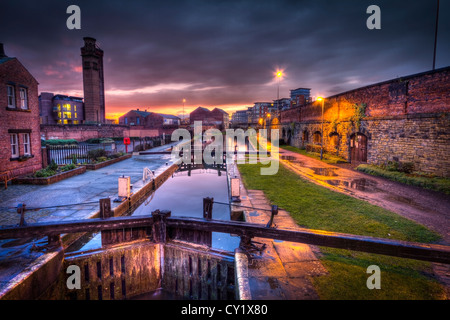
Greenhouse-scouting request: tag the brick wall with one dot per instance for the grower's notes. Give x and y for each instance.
(17, 120)
(406, 120)
(82, 132)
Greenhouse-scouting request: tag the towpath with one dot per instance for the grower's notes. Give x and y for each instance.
(426, 207)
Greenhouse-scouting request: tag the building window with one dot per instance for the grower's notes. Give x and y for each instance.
(126, 120)
(75, 115)
(26, 144)
(23, 98)
(14, 146)
(137, 120)
(11, 97)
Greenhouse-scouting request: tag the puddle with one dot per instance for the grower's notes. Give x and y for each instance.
(329, 172)
(362, 184)
(292, 159)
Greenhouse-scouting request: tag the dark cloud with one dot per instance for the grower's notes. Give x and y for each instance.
(224, 52)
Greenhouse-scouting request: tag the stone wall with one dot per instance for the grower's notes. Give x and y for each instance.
(422, 139)
(404, 120)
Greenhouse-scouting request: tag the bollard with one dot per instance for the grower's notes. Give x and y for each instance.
(159, 228)
(273, 213)
(108, 236)
(21, 211)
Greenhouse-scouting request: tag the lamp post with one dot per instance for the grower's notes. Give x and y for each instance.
(321, 136)
(435, 35)
(279, 75)
(184, 120)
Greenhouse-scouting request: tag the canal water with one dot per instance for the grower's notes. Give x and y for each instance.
(183, 195)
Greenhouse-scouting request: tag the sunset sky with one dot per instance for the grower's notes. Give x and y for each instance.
(223, 53)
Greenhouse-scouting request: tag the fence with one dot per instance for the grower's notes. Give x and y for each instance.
(63, 154)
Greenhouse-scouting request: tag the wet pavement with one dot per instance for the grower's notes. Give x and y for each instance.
(57, 202)
(426, 207)
(278, 270)
(84, 190)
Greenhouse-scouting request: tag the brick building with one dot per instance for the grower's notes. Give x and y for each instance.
(143, 120)
(60, 109)
(20, 142)
(217, 118)
(401, 120)
(240, 117)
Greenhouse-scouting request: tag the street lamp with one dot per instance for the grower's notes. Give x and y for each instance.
(279, 75)
(321, 144)
(184, 120)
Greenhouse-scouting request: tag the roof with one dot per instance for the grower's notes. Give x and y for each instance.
(201, 108)
(170, 116)
(142, 113)
(223, 111)
(4, 59)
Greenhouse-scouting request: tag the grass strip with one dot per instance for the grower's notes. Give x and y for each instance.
(327, 158)
(316, 207)
(432, 183)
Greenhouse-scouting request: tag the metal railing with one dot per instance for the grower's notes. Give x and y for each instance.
(161, 227)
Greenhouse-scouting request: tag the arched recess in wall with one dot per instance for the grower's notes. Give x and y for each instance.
(289, 136)
(334, 140)
(305, 138)
(358, 147)
(317, 137)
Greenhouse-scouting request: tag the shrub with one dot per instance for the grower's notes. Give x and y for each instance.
(43, 173)
(101, 159)
(53, 166)
(96, 153)
(392, 166)
(406, 167)
(68, 167)
(57, 142)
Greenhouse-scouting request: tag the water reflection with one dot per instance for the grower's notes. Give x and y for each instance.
(183, 195)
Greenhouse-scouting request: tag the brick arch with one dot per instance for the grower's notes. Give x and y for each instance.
(363, 131)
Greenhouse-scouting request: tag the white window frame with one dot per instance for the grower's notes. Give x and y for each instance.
(11, 96)
(23, 92)
(26, 144)
(14, 140)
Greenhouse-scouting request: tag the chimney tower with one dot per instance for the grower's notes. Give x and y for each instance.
(93, 81)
